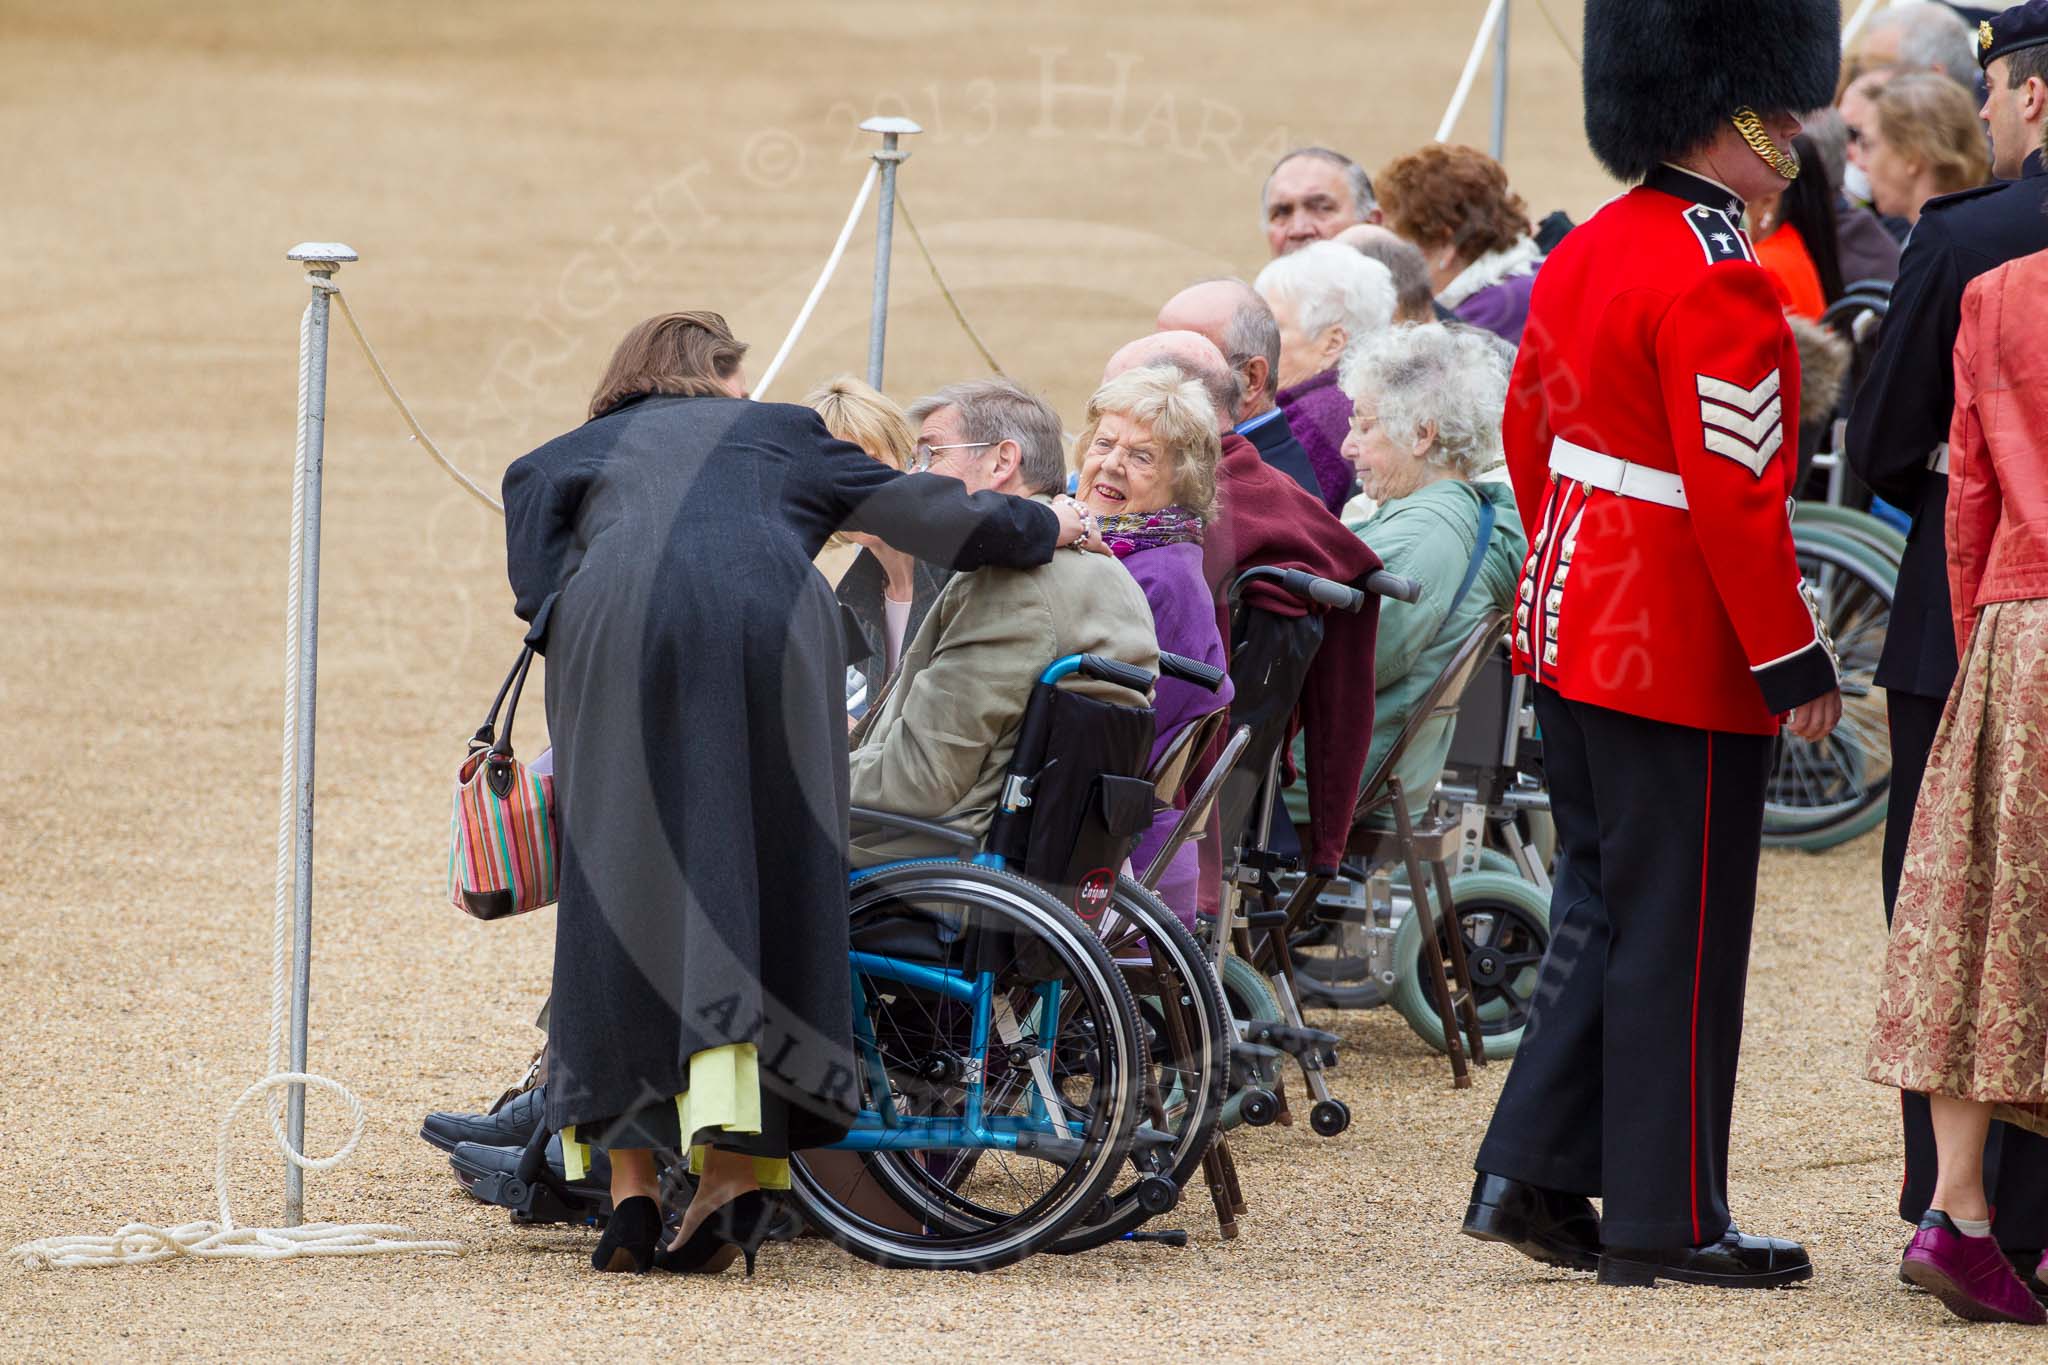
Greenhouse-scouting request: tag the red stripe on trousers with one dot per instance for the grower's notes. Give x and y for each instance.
(1699, 956)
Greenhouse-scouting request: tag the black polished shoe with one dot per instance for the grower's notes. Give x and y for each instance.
(510, 1126)
(2032, 1268)
(1737, 1261)
(1545, 1225)
(631, 1239)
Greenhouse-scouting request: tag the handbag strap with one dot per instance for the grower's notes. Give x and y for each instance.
(1486, 516)
(487, 736)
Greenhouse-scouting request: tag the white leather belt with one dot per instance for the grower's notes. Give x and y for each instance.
(1937, 460)
(1595, 470)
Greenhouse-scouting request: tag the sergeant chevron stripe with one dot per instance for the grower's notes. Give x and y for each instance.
(1745, 424)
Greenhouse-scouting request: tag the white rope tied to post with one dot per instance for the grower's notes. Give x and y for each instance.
(221, 1239)
(803, 317)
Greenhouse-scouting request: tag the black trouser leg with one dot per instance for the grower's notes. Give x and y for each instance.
(2015, 1160)
(1543, 1129)
(1679, 823)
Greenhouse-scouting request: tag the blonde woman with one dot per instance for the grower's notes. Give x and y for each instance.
(1148, 456)
(1926, 141)
(884, 591)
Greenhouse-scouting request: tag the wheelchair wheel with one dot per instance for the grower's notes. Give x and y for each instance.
(1251, 999)
(1860, 526)
(1506, 924)
(997, 1058)
(1330, 955)
(1827, 793)
(1188, 1033)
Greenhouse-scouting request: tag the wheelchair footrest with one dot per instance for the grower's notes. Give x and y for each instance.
(1300, 1043)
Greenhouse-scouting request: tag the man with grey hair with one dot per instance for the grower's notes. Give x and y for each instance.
(1414, 291)
(1195, 357)
(1312, 194)
(936, 746)
(1922, 34)
(1232, 316)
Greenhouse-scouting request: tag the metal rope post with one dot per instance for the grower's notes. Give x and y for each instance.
(321, 260)
(1500, 85)
(888, 158)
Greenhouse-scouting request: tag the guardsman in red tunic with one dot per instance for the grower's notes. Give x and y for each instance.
(1651, 430)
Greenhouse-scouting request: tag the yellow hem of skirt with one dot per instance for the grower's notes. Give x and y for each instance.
(724, 1096)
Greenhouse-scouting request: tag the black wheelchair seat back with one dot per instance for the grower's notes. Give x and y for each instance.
(1077, 796)
(1270, 656)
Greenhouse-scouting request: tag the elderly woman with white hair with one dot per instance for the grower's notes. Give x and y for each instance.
(1148, 454)
(1427, 405)
(1326, 297)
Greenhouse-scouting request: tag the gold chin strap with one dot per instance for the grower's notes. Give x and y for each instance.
(1785, 163)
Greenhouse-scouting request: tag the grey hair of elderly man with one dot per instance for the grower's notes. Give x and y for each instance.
(1194, 356)
(1414, 292)
(1922, 34)
(1230, 313)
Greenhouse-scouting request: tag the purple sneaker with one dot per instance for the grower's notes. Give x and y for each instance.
(1970, 1275)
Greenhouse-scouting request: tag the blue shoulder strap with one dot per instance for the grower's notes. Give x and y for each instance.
(1478, 551)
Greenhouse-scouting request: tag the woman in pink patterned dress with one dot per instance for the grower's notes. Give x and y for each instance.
(1963, 1014)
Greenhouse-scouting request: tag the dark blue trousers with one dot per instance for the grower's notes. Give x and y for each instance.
(1624, 1083)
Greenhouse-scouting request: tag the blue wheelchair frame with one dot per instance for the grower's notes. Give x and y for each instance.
(883, 1129)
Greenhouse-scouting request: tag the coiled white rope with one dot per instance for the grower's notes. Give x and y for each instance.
(221, 1239)
(803, 317)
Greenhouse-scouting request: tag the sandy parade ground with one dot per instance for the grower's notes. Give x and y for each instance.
(523, 181)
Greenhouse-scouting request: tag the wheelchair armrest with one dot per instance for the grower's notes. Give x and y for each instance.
(910, 824)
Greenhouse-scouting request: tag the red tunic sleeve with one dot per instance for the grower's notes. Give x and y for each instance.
(1973, 492)
(1730, 375)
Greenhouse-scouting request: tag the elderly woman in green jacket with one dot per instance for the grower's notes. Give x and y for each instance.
(1425, 434)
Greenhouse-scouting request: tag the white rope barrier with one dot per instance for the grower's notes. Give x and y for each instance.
(1856, 22)
(1464, 90)
(476, 490)
(221, 1239)
(803, 317)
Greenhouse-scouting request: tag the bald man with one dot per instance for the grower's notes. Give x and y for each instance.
(1230, 314)
(1195, 356)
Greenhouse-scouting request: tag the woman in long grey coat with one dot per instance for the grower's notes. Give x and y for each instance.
(695, 662)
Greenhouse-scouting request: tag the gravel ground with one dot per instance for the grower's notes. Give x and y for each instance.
(524, 181)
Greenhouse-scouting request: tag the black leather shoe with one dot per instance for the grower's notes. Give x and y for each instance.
(511, 1126)
(1545, 1225)
(1737, 1261)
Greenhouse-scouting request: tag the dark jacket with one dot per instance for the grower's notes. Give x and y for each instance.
(695, 680)
(1865, 249)
(1276, 445)
(860, 594)
(1900, 424)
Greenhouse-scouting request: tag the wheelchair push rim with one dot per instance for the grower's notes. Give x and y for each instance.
(1018, 1112)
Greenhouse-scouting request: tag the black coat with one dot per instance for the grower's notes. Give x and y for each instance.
(860, 592)
(1903, 410)
(695, 680)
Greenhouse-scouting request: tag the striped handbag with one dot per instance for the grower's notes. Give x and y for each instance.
(504, 854)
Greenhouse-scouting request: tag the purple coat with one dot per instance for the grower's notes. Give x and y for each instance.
(1502, 309)
(1184, 618)
(1319, 411)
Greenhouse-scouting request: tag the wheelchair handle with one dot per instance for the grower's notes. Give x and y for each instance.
(1104, 670)
(1393, 585)
(1327, 591)
(1190, 671)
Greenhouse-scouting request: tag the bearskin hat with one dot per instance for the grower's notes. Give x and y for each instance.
(1662, 76)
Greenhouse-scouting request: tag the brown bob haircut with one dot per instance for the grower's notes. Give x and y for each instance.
(1452, 195)
(686, 355)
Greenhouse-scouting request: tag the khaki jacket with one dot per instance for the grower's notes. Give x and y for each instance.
(950, 720)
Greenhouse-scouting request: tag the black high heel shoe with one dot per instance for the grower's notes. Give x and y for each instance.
(735, 1228)
(631, 1239)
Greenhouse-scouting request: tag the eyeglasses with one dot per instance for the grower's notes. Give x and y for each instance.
(925, 456)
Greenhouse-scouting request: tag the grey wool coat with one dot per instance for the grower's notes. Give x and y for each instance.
(695, 679)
